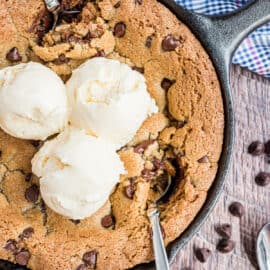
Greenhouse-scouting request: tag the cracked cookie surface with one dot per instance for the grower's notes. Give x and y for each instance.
(184, 139)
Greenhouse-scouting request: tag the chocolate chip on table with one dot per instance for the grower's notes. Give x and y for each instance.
(237, 209)
(202, 254)
(224, 230)
(225, 245)
(267, 148)
(82, 267)
(167, 83)
(22, 257)
(32, 193)
(13, 55)
(130, 190)
(28, 177)
(90, 258)
(263, 179)
(140, 148)
(256, 148)
(107, 221)
(62, 59)
(148, 42)
(27, 233)
(11, 246)
(204, 159)
(169, 43)
(139, 69)
(119, 29)
(117, 5)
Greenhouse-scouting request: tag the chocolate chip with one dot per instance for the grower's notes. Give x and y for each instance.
(263, 179)
(90, 258)
(27, 233)
(267, 148)
(148, 174)
(204, 159)
(11, 246)
(202, 254)
(1, 153)
(101, 53)
(130, 190)
(32, 193)
(22, 257)
(225, 245)
(75, 221)
(118, 4)
(148, 42)
(13, 55)
(28, 177)
(169, 43)
(140, 148)
(159, 164)
(139, 2)
(62, 59)
(139, 69)
(119, 29)
(107, 221)
(166, 83)
(256, 148)
(82, 267)
(237, 209)
(224, 230)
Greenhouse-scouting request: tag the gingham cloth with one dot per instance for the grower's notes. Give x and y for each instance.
(254, 52)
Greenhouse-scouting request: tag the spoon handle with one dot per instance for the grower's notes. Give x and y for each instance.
(52, 5)
(158, 244)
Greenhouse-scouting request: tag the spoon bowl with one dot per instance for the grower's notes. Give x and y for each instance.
(263, 247)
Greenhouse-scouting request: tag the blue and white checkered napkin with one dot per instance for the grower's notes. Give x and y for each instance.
(254, 52)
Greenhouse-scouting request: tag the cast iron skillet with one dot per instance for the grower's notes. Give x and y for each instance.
(220, 36)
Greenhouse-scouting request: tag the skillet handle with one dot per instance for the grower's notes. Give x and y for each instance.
(222, 34)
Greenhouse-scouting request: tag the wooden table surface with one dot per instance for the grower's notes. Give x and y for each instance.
(251, 95)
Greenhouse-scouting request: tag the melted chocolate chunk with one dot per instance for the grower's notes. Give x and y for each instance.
(107, 221)
(139, 69)
(13, 55)
(90, 258)
(204, 159)
(62, 59)
(117, 5)
(170, 43)
(32, 193)
(82, 267)
(22, 257)
(28, 177)
(27, 233)
(140, 148)
(148, 174)
(11, 246)
(119, 29)
(130, 190)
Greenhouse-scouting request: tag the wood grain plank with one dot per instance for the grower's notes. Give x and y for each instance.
(251, 95)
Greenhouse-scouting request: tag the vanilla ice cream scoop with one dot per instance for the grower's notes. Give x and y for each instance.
(33, 101)
(109, 99)
(77, 173)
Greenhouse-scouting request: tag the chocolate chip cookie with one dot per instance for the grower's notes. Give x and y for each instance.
(184, 139)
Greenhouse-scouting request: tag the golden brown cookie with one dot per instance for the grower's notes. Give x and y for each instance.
(184, 139)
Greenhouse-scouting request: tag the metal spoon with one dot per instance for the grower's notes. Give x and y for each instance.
(161, 258)
(263, 247)
(55, 8)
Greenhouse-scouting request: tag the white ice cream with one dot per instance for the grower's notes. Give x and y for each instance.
(109, 99)
(33, 101)
(78, 173)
